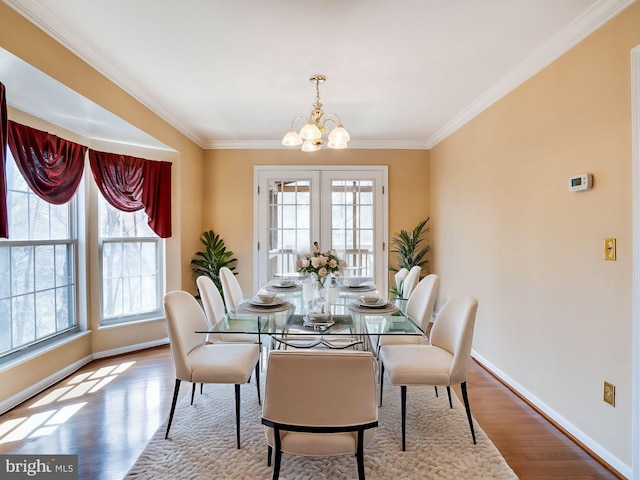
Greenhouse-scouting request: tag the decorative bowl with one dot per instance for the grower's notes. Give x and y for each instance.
(266, 297)
(370, 299)
(318, 316)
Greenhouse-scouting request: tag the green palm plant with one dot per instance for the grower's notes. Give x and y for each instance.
(213, 258)
(410, 249)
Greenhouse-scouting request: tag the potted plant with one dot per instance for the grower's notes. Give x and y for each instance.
(410, 249)
(213, 258)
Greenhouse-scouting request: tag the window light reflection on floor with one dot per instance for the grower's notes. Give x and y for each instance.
(44, 423)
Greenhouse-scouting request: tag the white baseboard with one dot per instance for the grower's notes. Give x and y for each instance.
(45, 383)
(578, 434)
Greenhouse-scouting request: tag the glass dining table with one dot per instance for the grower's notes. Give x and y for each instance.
(297, 317)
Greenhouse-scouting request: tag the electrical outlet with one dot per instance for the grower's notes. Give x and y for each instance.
(609, 395)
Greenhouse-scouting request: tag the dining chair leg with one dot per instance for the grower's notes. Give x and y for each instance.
(403, 408)
(201, 386)
(238, 414)
(269, 453)
(193, 392)
(258, 381)
(176, 389)
(278, 457)
(436, 388)
(360, 455)
(449, 393)
(381, 382)
(465, 397)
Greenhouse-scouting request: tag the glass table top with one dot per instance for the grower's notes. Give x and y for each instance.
(345, 314)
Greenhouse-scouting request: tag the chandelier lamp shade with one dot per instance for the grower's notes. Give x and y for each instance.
(319, 129)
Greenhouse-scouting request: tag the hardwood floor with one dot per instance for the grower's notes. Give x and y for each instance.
(533, 447)
(108, 410)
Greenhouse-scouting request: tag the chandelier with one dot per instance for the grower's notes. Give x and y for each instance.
(316, 127)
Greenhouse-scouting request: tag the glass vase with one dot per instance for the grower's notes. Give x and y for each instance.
(319, 296)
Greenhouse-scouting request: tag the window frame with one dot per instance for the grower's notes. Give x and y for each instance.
(160, 272)
(73, 241)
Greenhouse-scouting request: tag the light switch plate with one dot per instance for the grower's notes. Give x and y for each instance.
(610, 249)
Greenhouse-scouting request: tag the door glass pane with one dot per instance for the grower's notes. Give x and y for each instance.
(289, 224)
(341, 208)
(352, 224)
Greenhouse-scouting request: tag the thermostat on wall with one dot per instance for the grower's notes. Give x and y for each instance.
(583, 181)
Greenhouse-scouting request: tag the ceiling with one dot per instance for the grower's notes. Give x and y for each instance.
(234, 74)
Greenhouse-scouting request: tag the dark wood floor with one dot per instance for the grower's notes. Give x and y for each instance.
(108, 410)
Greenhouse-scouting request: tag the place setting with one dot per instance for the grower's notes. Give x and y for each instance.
(372, 305)
(319, 319)
(283, 285)
(357, 285)
(265, 303)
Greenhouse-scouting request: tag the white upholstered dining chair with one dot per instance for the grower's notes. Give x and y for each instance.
(319, 403)
(411, 281)
(231, 289)
(399, 278)
(214, 309)
(444, 362)
(420, 309)
(199, 362)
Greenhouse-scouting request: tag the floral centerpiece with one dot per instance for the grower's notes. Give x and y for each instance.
(320, 264)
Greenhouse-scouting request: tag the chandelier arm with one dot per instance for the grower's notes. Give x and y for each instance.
(328, 118)
(298, 118)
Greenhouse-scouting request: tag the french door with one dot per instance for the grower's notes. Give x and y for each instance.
(342, 208)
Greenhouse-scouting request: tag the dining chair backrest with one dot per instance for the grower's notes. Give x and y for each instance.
(410, 281)
(340, 392)
(212, 301)
(230, 288)
(399, 278)
(453, 332)
(422, 300)
(184, 318)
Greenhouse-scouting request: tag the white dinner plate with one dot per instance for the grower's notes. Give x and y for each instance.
(284, 287)
(255, 301)
(380, 303)
(359, 288)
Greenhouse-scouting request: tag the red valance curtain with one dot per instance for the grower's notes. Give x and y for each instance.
(4, 223)
(130, 184)
(51, 166)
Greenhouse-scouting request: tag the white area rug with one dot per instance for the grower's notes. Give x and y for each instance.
(202, 443)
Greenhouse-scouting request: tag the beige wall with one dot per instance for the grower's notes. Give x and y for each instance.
(228, 195)
(22, 39)
(554, 318)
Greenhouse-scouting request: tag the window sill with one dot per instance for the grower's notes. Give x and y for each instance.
(141, 321)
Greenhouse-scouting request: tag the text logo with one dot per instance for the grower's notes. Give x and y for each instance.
(51, 467)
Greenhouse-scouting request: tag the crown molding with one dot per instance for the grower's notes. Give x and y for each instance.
(53, 27)
(592, 19)
(353, 145)
(587, 23)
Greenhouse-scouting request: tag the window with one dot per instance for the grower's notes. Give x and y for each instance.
(130, 266)
(38, 285)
